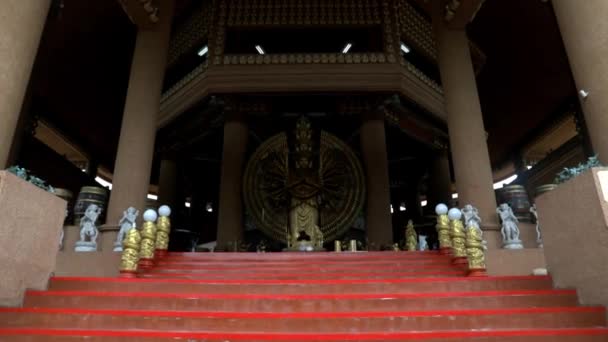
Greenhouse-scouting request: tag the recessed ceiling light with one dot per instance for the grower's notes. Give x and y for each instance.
(203, 51)
(260, 50)
(347, 47)
(405, 48)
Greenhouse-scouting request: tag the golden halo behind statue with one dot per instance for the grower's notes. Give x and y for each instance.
(339, 187)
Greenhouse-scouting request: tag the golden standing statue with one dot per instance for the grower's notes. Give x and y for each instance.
(474, 241)
(411, 239)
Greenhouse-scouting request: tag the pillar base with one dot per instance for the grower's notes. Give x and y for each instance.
(460, 261)
(128, 274)
(146, 263)
(478, 272)
(160, 253)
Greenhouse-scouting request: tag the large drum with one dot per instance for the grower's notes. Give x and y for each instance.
(68, 196)
(544, 188)
(91, 195)
(517, 197)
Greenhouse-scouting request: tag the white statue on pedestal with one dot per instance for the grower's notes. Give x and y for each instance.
(472, 219)
(88, 230)
(422, 243)
(509, 230)
(126, 223)
(539, 238)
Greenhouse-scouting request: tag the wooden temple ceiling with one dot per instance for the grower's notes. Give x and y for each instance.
(81, 75)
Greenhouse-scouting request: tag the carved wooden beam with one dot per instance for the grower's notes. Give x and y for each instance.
(143, 13)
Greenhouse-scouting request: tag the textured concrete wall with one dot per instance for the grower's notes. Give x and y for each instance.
(30, 223)
(87, 264)
(574, 220)
(505, 262)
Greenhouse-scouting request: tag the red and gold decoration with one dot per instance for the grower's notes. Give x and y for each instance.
(443, 229)
(163, 228)
(475, 252)
(458, 236)
(148, 241)
(130, 254)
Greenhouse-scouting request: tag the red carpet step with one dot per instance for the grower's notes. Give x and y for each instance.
(383, 296)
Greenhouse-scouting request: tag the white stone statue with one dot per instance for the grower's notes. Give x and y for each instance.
(422, 243)
(88, 230)
(509, 230)
(539, 238)
(126, 223)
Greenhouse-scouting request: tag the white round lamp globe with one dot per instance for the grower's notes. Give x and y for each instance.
(454, 214)
(150, 215)
(164, 210)
(441, 209)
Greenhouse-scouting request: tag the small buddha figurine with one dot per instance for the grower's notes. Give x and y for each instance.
(411, 239)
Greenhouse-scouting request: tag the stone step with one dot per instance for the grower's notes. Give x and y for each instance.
(341, 302)
(536, 335)
(303, 276)
(303, 286)
(318, 322)
(164, 266)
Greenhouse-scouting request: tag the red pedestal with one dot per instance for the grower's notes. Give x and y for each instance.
(479, 272)
(146, 263)
(160, 254)
(128, 274)
(460, 261)
(445, 250)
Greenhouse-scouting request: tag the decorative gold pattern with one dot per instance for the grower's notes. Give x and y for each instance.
(163, 228)
(302, 12)
(416, 29)
(308, 58)
(475, 250)
(411, 239)
(458, 237)
(148, 235)
(443, 231)
(130, 251)
(336, 185)
(193, 31)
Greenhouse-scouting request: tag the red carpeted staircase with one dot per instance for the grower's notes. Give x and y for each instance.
(379, 296)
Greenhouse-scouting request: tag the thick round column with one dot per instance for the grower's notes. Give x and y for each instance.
(472, 168)
(21, 26)
(585, 33)
(439, 185)
(167, 184)
(378, 213)
(230, 216)
(133, 164)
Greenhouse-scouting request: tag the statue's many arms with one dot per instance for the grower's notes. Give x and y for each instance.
(315, 190)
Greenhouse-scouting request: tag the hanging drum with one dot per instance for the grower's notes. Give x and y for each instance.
(91, 195)
(517, 198)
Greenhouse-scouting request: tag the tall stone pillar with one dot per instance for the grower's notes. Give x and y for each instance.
(21, 26)
(439, 185)
(167, 184)
(133, 164)
(378, 220)
(585, 33)
(473, 172)
(230, 224)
